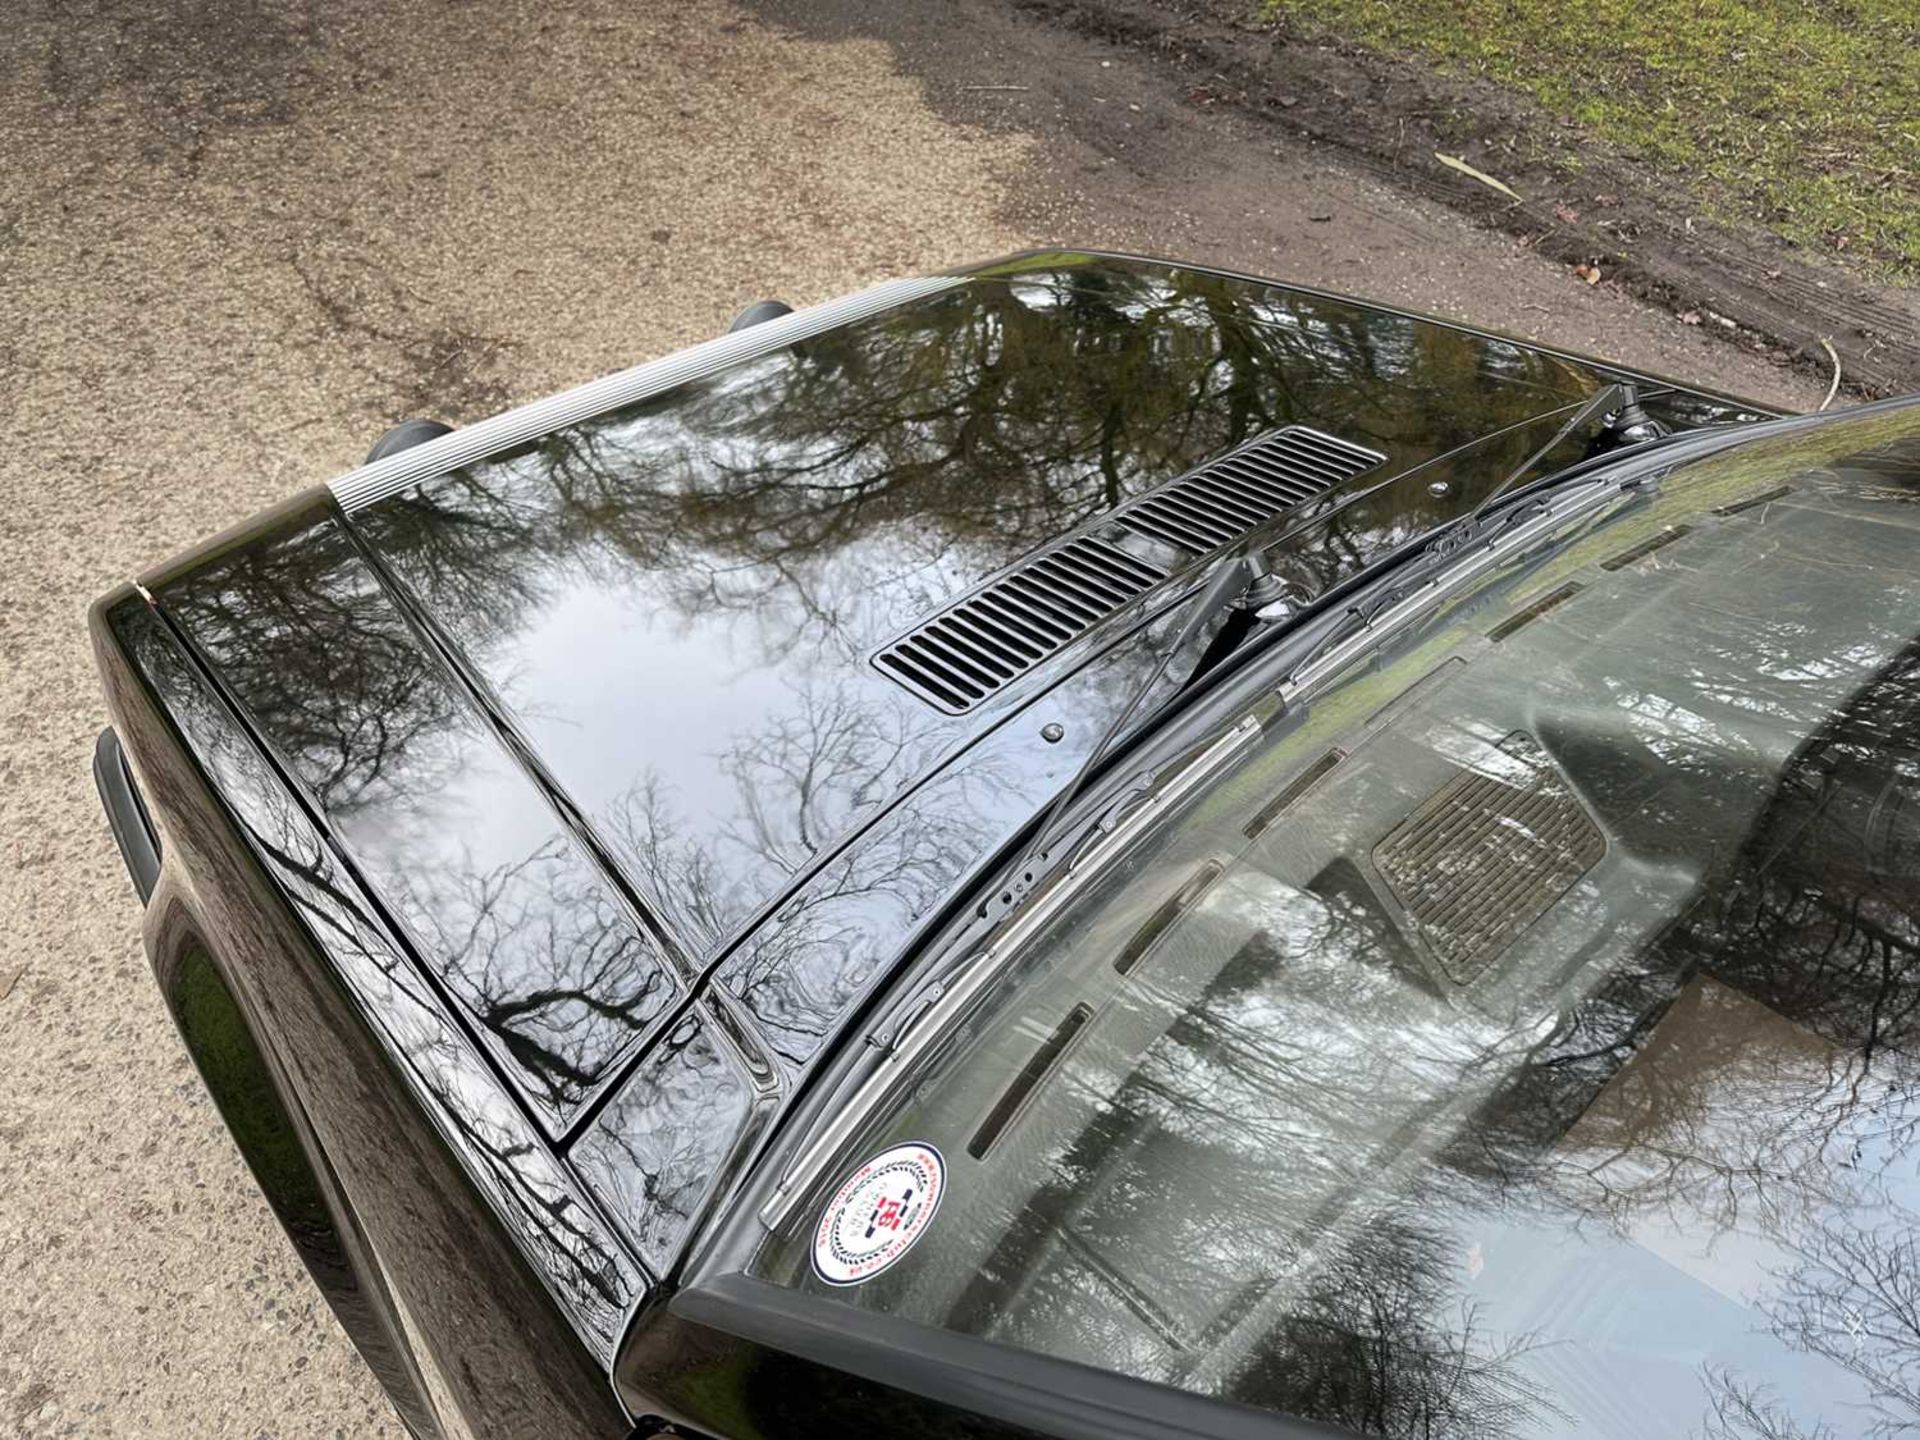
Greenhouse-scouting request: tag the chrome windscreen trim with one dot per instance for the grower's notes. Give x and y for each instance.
(370, 484)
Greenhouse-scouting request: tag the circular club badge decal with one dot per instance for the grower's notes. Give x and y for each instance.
(878, 1213)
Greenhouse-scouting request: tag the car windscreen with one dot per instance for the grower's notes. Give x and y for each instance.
(1522, 1038)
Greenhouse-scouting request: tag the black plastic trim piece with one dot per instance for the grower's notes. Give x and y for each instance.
(1779, 492)
(980, 644)
(1045, 1056)
(1534, 611)
(758, 313)
(127, 815)
(1645, 547)
(1302, 783)
(1162, 919)
(406, 435)
(1037, 1393)
(1234, 494)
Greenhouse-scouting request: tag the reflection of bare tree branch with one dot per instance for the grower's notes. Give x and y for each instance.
(656, 1149)
(810, 770)
(803, 969)
(1741, 1411)
(1854, 1298)
(1727, 1118)
(543, 959)
(347, 696)
(799, 497)
(1372, 1345)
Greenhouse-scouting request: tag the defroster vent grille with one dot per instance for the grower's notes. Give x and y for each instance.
(994, 636)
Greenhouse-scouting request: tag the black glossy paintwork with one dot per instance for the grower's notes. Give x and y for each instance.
(498, 896)
(515, 1285)
(522, 1179)
(676, 603)
(573, 764)
(671, 610)
(657, 1150)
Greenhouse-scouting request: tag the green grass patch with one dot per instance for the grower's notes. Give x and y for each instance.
(1803, 115)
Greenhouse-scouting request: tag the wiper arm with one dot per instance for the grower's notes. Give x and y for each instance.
(1240, 581)
(1232, 578)
(1612, 396)
(1438, 566)
(1447, 540)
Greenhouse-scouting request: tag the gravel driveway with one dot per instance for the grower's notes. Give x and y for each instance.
(239, 238)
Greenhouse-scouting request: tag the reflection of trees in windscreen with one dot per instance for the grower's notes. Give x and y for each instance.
(1847, 1291)
(1851, 1295)
(1822, 920)
(1816, 924)
(1737, 1073)
(1250, 1133)
(1379, 1341)
(1752, 1070)
(1310, 1042)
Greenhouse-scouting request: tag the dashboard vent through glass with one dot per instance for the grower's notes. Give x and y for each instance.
(1225, 498)
(1485, 856)
(979, 645)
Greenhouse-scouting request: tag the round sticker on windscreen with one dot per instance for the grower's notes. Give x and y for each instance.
(878, 1213)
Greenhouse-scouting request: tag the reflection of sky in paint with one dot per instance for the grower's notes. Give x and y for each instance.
(720, 561)
(599, 707)
(604, 726)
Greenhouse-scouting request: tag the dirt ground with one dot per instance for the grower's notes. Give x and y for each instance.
(1571, 198)
(239, 238)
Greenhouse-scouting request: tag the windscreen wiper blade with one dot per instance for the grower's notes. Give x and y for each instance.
(1241, 577)
(1438, 567)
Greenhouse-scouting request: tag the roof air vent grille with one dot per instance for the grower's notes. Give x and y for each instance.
(1225, 498)
(976, 648)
